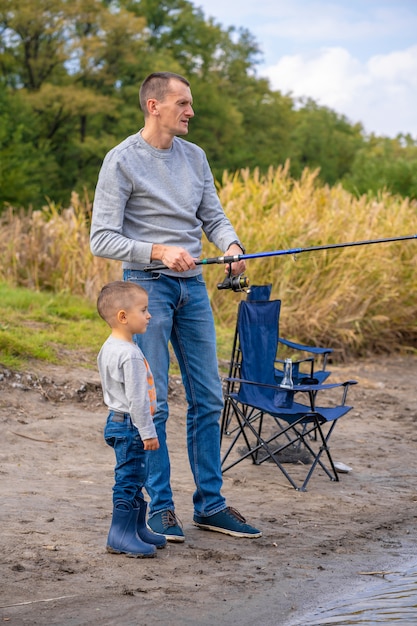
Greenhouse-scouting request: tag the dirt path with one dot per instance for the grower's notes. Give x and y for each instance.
(56, 479)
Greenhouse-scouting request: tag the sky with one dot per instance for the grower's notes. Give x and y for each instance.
(357, 57)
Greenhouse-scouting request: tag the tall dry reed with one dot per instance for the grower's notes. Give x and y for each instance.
(357, 300)
(50, 250)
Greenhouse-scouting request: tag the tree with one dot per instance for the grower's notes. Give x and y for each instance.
(23, 168)
(33, 42)
(384, 163)
(69, 63)
(323, 138)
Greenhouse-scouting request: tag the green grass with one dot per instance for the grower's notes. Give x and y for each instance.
(55, 328)
(62, 329)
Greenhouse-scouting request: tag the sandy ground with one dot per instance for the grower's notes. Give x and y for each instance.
(56, 480)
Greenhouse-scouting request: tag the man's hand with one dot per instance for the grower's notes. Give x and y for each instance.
(174, 257)
(151, 444)
(240, 266)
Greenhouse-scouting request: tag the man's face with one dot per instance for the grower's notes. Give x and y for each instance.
(176, 110)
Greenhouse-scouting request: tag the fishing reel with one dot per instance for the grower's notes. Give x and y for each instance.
(236, 283)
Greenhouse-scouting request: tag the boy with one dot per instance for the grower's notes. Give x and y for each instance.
(129, 393)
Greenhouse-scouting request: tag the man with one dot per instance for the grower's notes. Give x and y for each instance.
(155, 197)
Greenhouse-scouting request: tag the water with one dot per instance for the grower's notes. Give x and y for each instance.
(391, 600)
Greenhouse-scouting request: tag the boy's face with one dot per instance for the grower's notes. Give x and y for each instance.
(138, 316)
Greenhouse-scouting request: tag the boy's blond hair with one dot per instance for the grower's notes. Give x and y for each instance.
(116, 296)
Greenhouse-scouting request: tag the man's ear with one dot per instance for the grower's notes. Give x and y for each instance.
(152, 105)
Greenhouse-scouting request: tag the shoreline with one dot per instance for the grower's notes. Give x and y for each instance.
(57, 475)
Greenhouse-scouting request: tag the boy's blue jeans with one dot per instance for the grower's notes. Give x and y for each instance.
(181, 313)
(131, 470)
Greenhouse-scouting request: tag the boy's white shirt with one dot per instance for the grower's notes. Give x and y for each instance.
(127, 383)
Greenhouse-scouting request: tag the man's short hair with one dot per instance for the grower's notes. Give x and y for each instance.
(156, 86)
(116, 296)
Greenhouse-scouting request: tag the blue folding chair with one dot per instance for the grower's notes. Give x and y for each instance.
(261, 419)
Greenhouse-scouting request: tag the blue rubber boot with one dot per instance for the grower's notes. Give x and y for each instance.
(123, 538)
(146, 534)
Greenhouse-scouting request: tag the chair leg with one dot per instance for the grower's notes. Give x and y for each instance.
(333, 475)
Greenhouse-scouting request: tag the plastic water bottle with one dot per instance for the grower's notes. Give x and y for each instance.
(287, 381)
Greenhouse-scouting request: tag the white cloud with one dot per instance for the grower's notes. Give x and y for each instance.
(359, 57)
(331, 75)
(381, 93)
(396, 66)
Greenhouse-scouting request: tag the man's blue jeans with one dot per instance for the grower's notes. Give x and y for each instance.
(181, 313)
(131, 470)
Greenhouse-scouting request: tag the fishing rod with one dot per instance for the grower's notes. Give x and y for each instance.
(259, 255)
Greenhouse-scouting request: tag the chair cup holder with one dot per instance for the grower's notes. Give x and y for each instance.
(283, 399)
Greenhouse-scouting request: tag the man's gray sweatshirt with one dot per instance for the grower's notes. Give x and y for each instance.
(145, 195)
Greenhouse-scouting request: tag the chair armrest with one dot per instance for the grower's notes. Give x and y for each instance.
(322, 386)
(306, 388)
(300, 346)
(308, 359)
